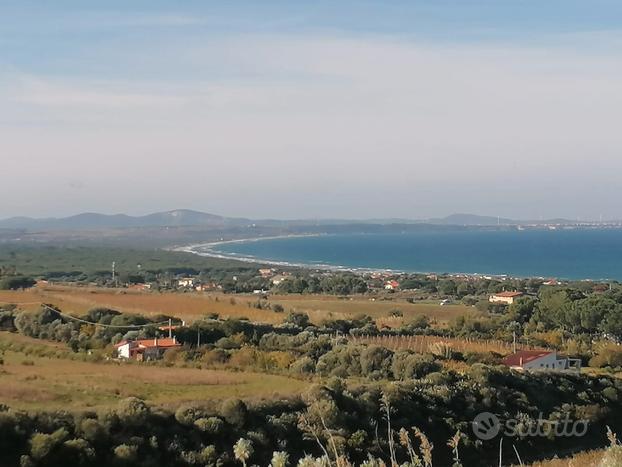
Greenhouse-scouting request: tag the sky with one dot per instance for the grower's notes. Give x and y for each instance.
(314, 109)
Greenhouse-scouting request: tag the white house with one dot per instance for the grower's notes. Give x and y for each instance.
(145, 349)
(505, 297)
(541, 360)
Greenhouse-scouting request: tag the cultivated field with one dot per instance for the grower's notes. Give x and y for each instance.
(192, 306)
(321, 307)
(29, 380)
(187, 306)
(424, 343)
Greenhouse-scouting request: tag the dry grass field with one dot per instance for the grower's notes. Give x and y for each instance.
(423, 343)
(320, 307)
(583, 459)
(192, 306)
(35, 382)
(187, 306)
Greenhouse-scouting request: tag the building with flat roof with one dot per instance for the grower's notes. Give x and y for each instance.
(541, 360)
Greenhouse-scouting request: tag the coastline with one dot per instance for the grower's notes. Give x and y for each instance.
(207, 249)
(211, 249)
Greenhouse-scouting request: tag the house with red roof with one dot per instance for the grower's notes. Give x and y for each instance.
(541, 360)
(505, 297)
(145, 349)
(392, 285)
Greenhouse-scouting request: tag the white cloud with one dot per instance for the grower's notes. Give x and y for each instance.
(339, 126)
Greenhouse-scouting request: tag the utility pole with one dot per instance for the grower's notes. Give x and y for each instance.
(198, 337)
(170, 328)
(114, 277)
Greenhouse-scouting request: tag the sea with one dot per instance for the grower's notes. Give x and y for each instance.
(572, 254)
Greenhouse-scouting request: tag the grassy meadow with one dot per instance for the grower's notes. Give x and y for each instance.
(42, 375)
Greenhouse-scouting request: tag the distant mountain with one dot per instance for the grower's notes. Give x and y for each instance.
(189, 218)
(94, 221)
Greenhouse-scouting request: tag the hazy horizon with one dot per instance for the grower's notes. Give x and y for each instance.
(284, 110)
(221, 214)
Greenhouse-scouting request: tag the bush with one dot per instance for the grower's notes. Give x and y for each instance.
(126, 452)
(234, 412)
(41, 444)
(608, 356)
(212, 425)
(187, 414)
(133, 411)
(16, 282)
(407, 365)
(304, 365)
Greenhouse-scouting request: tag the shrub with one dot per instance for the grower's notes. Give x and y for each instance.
(304, 365)
(234, 412)
(187, 414)
(214, 357)
(133, 411)
(126, 452)
(211, 425)
(407, 365)
(41, 444)
(607, 356)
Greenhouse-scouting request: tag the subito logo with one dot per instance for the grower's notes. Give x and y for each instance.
(486, 426)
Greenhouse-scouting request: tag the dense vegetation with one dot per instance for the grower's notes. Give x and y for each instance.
(346, 418)
(92, 264)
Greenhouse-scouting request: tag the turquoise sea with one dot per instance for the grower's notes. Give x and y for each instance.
(568, 254)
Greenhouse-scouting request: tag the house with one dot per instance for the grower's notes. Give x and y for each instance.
(391, 285)
(265, 273)
(505, 297)
(186, 282)
(535, 360)
(551, 282)
(145, 349)
(276, 280)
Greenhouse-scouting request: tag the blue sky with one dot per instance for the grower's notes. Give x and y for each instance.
(311, 109)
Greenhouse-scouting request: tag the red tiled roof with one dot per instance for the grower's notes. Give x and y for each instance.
(525, 356)
(160, 342)
(508, 294)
